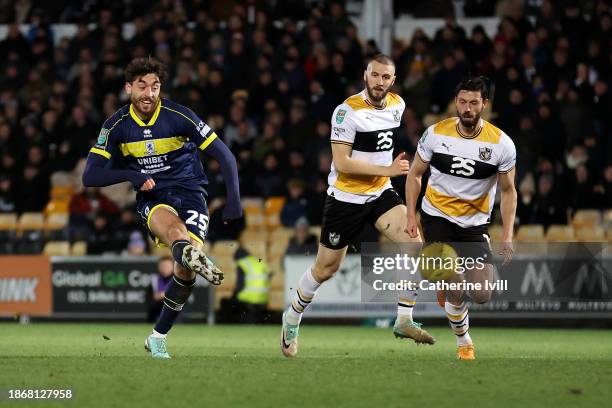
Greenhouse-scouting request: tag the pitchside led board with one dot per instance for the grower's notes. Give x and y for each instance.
(542, 281)
(110, 288)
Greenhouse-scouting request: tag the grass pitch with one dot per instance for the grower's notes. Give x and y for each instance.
(337, 366)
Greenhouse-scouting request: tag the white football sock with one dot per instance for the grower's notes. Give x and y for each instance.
(405, 303)
(459, 321)
(307, 288)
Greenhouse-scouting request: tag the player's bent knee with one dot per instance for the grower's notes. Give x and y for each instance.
(480, 296)
(454, 296)
(325, 271)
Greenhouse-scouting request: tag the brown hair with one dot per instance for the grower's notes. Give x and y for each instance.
(139, 67)
(382, 59)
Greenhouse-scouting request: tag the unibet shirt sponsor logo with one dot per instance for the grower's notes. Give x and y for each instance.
(103, 136)
(340, 116)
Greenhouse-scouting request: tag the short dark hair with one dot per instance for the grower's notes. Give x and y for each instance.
(139, 67)
(474, 84)
(383, 59)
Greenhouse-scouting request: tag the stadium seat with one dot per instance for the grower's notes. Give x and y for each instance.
(62, 193)
(586, 218)
(278, 281)
(272, 210)
(31, 221)
(252, 202)
(276, 249)
(590, 234)
(256, 248)
(496, 232)
(8, 232)
(56, 226)
(30, 229)
(57, 248)
(57, 207)
(79, 248)
(316, 231)
(281, 235)
(560, 233)
(607, 218)
(530, 233)
(253, 235)
(254, 218)
(224, 248)
(277, 300)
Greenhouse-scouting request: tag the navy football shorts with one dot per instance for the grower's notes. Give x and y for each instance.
(189, 205)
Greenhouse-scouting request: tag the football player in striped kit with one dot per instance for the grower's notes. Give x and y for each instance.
(467, 157)
(360, 191)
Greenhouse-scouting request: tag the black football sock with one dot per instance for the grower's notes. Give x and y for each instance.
(177, 293)
(177, 250)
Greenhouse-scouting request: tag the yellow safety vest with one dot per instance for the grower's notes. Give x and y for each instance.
(256, 281)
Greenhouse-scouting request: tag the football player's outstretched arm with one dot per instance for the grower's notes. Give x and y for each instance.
(508, 212)
(344, 163)
(413, 188)
(97, 174)
(220, 152)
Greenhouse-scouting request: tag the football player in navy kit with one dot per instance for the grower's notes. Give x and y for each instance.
(153, 143)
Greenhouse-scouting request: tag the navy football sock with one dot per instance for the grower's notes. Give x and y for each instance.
(177, 293)
(177, 250)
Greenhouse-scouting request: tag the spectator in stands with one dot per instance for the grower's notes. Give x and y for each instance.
(251, 294)
(296, 204)
(7, 195)
(302, 242)
(136, 245)
(33, 189)
(100, 238)
(270, 180)
(583, 190)
(84, 208)
(547, 206)
(551, 84)
(604, 189)
(125, 226)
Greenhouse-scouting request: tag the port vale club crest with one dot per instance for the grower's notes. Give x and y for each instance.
(334, 238)
(484, 153)
(396, 115)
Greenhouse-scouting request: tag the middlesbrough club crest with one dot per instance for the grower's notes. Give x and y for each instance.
(484, 153)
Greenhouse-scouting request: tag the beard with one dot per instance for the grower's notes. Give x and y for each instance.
(469, 120)
(145, 110)
(376, 93)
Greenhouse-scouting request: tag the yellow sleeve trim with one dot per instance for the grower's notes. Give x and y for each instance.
(208, 141)
(100, 152)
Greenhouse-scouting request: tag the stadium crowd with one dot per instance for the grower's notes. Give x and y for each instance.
(267, 78)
